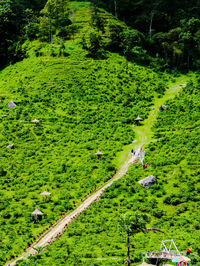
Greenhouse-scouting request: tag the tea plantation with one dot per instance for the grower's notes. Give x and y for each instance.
(83, 78)
(82, 106)
(172, 203)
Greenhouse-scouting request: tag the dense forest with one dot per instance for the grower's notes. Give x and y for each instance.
(171, 28)
(15, 18)
(165, 34)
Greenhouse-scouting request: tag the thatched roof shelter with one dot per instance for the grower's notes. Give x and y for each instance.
(99, 153)
(37, 212)
(35, 121)
(45, 193)
(11, 146)
(12, 104)
(138, 119)
(162, 108)
(148, 181)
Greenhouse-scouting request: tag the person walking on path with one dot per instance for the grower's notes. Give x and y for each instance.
(133, 152)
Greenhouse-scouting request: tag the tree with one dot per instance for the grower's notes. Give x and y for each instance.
(17, 22)
(57, 14)
(97, 20)
(132, 223)
(94, 45)
(189, 37)
(115, 30)
(129, 39)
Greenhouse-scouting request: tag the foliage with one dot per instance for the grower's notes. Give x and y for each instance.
(17, 20)
(130, 39)
(173, 158)
(82, 105)
(132, 223)
(95, 48)
(171, 29)
(166, 40)
(54, 19)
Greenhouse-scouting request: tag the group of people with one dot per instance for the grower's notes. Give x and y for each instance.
(133, 151)
(144, 165)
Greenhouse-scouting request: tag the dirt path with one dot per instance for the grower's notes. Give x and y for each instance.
(143, 137)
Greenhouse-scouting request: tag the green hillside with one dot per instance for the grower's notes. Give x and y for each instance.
(172, 203)
(78, 89)
(82, 106)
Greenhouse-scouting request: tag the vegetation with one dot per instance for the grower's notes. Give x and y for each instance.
(81, 76)
(172, 203)
(16, 20)
(163, 35)
(132, 223)
(82, 106)
(171, 28)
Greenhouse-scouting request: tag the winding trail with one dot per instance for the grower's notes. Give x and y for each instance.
(143, 137)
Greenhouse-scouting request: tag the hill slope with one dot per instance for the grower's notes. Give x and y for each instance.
(172, 203)
(82, 106)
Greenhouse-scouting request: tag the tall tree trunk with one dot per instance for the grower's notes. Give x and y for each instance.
(50, 31)
(188, 61)
(150, 25)
(115, 3)
(50, 27)
(128, 251)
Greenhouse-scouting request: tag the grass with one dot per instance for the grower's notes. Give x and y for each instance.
(144, 133)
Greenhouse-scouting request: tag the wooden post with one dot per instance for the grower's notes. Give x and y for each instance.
(128, 251)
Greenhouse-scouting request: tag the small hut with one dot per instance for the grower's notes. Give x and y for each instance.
(45, 194)
(162, 108)
(3, 116)
(35, 121)
(138, 120)
(99, 153)
(38, 214)
(11, 146)
(148, 181)
(12, 104)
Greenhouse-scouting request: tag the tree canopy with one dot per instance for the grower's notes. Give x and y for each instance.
(156, 32)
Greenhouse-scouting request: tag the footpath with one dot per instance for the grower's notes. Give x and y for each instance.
(143, 137)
